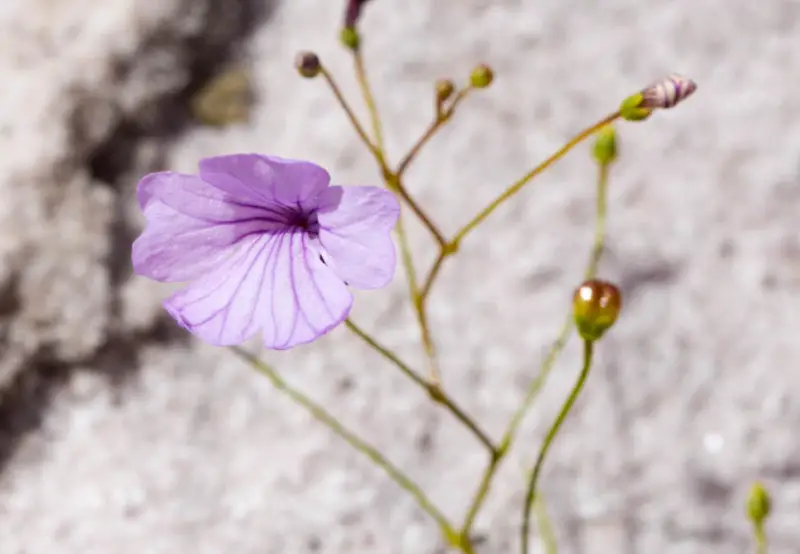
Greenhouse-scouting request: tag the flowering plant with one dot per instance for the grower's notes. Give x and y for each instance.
(267, 245)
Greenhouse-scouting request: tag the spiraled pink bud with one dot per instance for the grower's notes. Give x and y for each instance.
(667, 92)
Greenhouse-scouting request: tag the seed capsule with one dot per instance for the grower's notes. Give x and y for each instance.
(595, 307)
(444, 90)
(307, 64)
(481, 76)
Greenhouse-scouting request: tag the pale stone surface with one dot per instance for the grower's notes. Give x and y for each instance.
(693, 394)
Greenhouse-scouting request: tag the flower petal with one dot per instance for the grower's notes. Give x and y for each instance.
(190, 226)
(355, 226)
(274, 282)
(266, 179)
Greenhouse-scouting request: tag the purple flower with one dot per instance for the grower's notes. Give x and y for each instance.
(265, 243)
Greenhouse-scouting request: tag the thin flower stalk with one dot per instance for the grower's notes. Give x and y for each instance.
(600, 221)
(380, 155)
(369, 99)
(545, 526)
(552, 355)
(530, 497)
(352, 116)
(452, 245)
(394, 183)
(407, 258)
(436, 393)
(323, 416)
(438, 122)
(518, 185)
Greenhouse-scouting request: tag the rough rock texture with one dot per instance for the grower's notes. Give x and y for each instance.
(117, 434)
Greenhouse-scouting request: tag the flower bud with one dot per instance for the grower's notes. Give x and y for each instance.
(667, 92)
(758, 504)
(481, 76)
(605, 146)
(307, 64)
(595, 307)
(631, 108)
(663, 94)
(349, 38)
(353, 12)
(444, 90)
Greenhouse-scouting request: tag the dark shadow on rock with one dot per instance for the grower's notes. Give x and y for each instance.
(635, 280)
(25, 400)
(226, 27)
(202, 52)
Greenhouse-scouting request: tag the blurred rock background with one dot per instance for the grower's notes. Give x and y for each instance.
(119, 434)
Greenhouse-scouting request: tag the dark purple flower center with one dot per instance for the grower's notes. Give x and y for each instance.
(307, 221)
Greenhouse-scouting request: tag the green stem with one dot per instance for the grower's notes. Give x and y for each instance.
(517, 186)
(396, 184)
(451, 247)
(545, 527)
(563, 335)
(386, 353)
(432, 129)
(369, 99)
(392, 179)
(600, 221)
(433, 273)
(351, 115)
(555, 350)
(536, 386)
(530, 497)
(421, 308)
(505, 442)
(407, 258)
(480, 496)
(761, 538)
(436, 393)
(319, 413)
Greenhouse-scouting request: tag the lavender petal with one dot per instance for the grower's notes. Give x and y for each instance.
(190, 227)
(355, 226)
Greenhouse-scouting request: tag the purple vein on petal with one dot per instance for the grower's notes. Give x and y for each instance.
(278, 244)
(219, 285)
(274, 245)
(298, 311)
(232, 296)
(294, 288)
(245, 274)
(265, 256)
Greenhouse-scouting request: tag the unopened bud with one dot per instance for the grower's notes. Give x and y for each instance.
(353, 12)
(605, 146)
(663, 94)
(481, 76)
(349, 37)
(444, 90)
(307, 64)
(595, 307)
(759, 504)
(667, 92)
